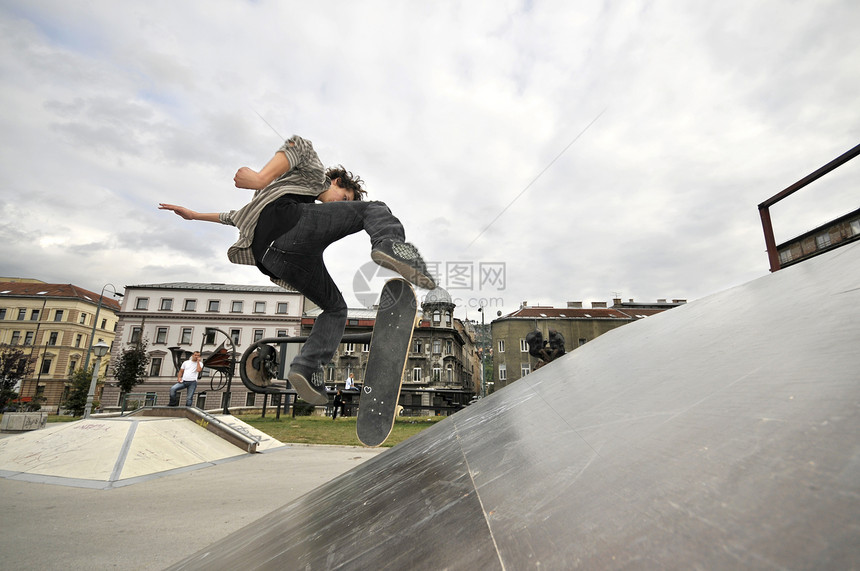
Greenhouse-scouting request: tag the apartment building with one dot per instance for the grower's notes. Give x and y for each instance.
(200, 316)
(56, 324)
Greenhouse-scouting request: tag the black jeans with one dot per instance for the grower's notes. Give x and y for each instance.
(297, 258)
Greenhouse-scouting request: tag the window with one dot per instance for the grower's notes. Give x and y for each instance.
(46, 366)
(251, 399)
(437, 317)
(258, 334)
(283, 307)
(822, 241)
(72, 366)
(141, 303)
(58, 315)
(503, 372)
(281, 333)
(259, 307)
(349, 348)
(2, 314)
(501, 345)
(201, 400)
(52, 338)
(155, 367)
(185, 336)
(214, 305)
(418, 346)
(785, 256)
(209, 337)
(78, 339)
(437, 346)
(447, 319)
(161, 335)
(167, 304)
(416, 374)
(22, 314)
(83, 320)
(234, 335)
(190, 305)
(104, 323)
(437, 374)
(365, 348)
(34, 315)
(16, 336)
(449, 374)
(28, 338)
(524, 347)
(135, 335)
(449, 347)
(855, 227)
(525, 369)
(236, 307)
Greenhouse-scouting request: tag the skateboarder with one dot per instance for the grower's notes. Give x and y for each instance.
(284, 232)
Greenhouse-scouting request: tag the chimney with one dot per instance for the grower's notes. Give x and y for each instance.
(679, 301)
(524, 304)
(597, 304)
(574, 305)
(616, 301)
(661, 301)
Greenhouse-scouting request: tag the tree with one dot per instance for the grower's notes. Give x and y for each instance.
(130, 367)
(76, 399)
(14, 367)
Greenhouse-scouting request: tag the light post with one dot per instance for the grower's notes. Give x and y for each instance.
(100, 349)
(483, 350)
(96, 320)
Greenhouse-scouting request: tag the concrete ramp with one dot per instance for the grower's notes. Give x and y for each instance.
(112, 452)
(721, 434)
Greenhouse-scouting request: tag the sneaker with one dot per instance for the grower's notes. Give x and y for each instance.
(309, 385)
(403, 258)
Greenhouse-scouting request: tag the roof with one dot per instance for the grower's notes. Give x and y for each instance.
(352, 313)
(212, 287)
(538, 312)
(615, 312)
(43, 290)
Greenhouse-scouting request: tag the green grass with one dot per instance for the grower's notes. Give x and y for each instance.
(324, 430)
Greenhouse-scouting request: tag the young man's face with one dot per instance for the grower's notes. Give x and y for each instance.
(195, 356)
(335, 193)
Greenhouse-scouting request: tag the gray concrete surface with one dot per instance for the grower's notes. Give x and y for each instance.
(156, 523)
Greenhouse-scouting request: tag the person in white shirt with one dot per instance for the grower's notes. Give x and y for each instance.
(350, 382)
(187, 379)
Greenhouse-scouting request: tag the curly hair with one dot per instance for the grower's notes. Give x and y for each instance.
(347, 180)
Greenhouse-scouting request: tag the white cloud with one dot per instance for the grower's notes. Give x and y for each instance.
(448, 110)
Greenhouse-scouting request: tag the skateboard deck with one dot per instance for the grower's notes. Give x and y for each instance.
(389, 349)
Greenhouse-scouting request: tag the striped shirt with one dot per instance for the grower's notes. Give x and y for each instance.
(306, 177)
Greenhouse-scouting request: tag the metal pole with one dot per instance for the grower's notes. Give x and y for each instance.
(95, 321)
(91, 393)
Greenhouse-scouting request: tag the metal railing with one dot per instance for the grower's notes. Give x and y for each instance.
(764, 207)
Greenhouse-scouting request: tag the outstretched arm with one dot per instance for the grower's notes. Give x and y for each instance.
(189, 214)
(249, 178)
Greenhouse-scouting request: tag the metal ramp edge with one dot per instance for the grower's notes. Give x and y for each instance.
(205, 420)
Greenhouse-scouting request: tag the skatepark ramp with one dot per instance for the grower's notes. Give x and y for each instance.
(109, 452)
(721, 434)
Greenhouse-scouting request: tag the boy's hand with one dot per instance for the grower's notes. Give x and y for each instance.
(248, 178)
(186, 213)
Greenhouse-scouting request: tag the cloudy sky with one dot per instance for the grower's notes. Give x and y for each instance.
(541, 150)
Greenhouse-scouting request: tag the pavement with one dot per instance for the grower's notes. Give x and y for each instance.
(158, 521)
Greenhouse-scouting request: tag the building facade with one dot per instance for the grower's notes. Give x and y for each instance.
(200, 317)
(577, 324)
(57, 323)
(837, 233)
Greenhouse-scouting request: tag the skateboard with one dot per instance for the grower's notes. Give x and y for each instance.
(389, 349)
